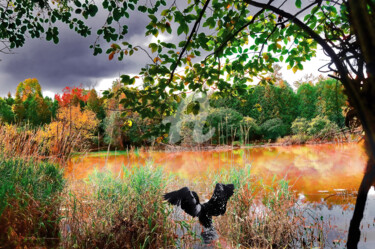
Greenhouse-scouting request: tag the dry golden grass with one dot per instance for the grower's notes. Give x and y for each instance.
(53, 141)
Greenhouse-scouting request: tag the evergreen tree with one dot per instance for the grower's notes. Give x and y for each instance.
(307, 97)
(331, 100)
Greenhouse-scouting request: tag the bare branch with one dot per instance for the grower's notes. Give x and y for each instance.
(144, 50)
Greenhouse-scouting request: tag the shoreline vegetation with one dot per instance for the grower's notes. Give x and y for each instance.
(80, 119)
(285, 141)
(39, 207)
(127, 210)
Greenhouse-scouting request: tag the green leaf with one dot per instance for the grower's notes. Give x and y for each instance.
(298, 3)
(93, 9)
(117, 14)
(193, 107)
(56, 39)
(142, 9)
(77, 3)
(180, 30)
(154, 47)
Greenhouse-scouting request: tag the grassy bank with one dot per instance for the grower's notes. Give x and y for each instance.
(29, 203)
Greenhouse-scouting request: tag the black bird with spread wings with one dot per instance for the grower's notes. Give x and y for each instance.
(189, 202)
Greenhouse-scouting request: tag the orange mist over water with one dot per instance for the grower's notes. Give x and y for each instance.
(310, 169)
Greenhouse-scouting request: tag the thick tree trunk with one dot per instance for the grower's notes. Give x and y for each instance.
(362, 23)
(354, 229)
(368, 178)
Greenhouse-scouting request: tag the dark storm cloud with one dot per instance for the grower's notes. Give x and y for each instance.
(69, 63)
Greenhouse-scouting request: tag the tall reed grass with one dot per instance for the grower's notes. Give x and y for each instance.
(119, 211)
(53, 141)
(29, 203)
(265, 216)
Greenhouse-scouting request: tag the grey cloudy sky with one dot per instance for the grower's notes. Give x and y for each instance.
(68, 63)
(71, 63)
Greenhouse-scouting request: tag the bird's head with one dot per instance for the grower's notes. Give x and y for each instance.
(220, 187)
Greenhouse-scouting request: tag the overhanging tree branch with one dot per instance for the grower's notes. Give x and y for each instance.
(344, 73)
(232, 36)
(189, 39)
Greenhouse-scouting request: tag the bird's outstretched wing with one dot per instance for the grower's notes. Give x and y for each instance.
(188, 200)
(217, 205)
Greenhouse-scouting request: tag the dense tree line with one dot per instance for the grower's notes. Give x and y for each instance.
(265, 111)
(275, 107)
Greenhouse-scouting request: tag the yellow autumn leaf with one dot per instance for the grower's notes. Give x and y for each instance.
(249, 18)
(294, 69)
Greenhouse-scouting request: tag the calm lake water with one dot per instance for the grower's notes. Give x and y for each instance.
(312, 170)
(324, 176)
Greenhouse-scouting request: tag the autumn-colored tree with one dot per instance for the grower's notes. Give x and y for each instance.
(72, 96)
(83, 121)
(18, 110)
(73, 129)
(29, 105)
(95, 104)
(27, 88)
(43, 110)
